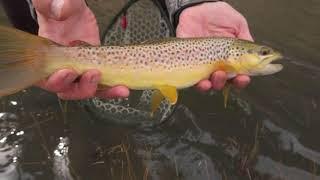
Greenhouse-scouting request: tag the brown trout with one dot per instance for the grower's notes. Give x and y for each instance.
(164, 65)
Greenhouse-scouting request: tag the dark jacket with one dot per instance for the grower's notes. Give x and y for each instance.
(19, 15)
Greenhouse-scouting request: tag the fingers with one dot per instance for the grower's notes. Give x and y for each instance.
(63, 83)
(244, 32)
(204, 85)
(114, 92)
(59, 81)
(85, 88)
(241, 81)
(218, 81)
(42, 6)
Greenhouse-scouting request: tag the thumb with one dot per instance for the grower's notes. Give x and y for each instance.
(245, 35)
(58, 9)
(244, 32)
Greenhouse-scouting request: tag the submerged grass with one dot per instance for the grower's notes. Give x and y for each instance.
(121, 161)
(44, 142)
(64, 109)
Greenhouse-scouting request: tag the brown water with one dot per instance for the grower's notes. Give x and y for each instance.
(270, 130)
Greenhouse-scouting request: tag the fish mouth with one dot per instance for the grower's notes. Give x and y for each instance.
(275, 57)
(276, 67)
(267, 67)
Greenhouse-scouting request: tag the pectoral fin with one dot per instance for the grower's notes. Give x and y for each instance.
(170, 93)
(163, 92)
(225, 92)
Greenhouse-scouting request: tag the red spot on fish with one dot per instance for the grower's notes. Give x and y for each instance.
(124, 22)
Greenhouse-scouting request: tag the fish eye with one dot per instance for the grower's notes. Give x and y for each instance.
(264, 51)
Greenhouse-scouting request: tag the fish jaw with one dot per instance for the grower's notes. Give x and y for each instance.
(252, 65)
(267, 67)
(266, 70)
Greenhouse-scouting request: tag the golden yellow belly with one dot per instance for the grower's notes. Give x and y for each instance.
(140, 79)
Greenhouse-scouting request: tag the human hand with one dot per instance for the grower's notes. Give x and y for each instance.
(66, 21)
(215, 19)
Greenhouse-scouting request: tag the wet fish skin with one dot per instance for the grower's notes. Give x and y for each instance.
(175, 62)
(164, 65)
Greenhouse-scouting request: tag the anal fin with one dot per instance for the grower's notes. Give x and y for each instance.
(163, 92)
(225, 93)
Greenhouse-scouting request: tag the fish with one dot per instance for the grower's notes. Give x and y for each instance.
(165, 65)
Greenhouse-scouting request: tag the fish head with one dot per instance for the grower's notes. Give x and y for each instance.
(255, 60)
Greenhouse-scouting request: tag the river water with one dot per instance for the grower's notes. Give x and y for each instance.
(269, 131)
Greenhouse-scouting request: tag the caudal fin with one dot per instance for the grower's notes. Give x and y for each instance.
(22, 59)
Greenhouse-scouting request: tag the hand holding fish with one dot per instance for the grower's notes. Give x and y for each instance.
(215, 19)
(65, 22)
